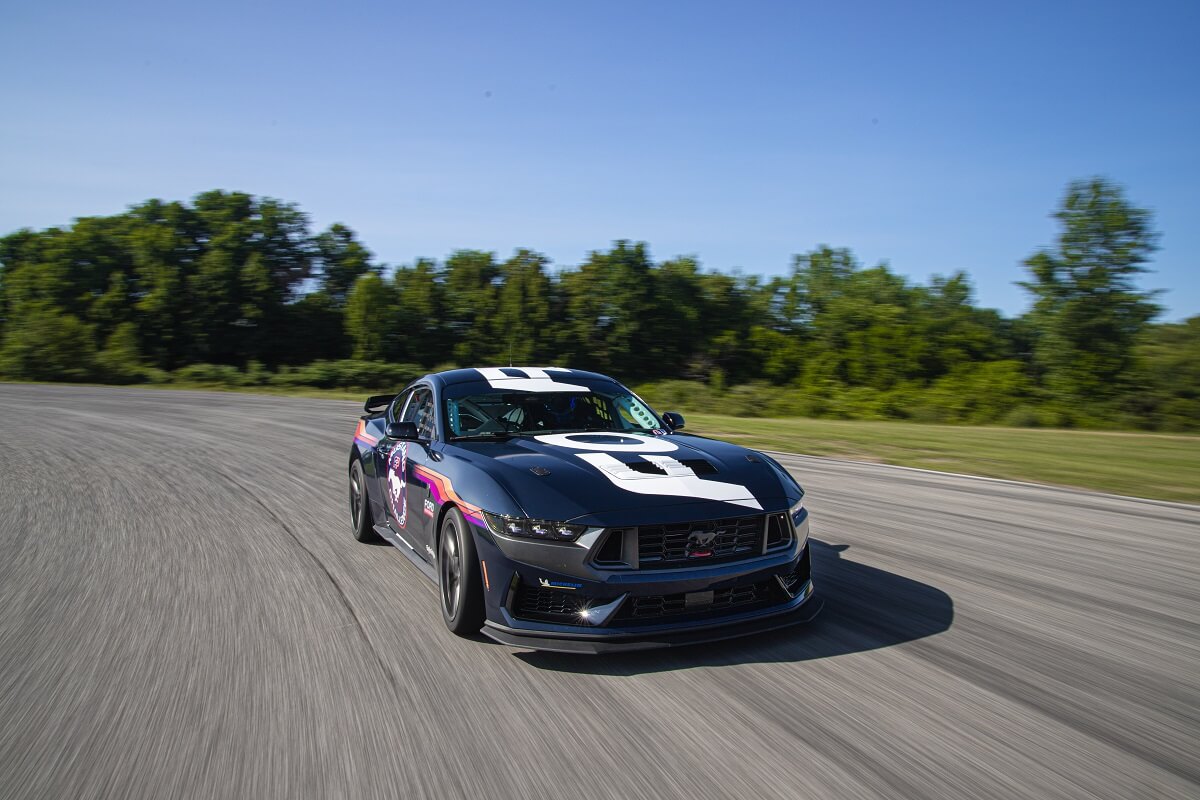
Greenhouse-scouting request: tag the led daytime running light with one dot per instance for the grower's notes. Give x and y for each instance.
(541, 529)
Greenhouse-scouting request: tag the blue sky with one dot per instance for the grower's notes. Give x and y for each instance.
(933, 136)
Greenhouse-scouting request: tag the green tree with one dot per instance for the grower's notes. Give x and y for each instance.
(610, 312)
(1087, 310)
(818, 278)
(728, 349)
(164, 241)
(678, 319)
(370, 315)
(120, 361)
(420, 335)
(863, 327)
(471, 287)
(316, 331)
(1168, 376)
(957, 332)
(213, 335)
(342, 259)
(521, 320)
(256, 255)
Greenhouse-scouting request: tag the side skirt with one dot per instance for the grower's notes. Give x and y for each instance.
(392, 538)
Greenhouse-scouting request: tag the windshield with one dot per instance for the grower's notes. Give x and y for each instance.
(499, 413)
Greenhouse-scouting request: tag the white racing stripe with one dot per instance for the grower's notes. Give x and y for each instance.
(677, 485)
(536, 380)
(609, 442)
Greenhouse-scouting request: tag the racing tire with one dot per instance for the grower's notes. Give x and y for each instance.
(460, 586)
(361, 521)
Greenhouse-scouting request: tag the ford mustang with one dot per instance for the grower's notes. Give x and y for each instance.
(555, 510)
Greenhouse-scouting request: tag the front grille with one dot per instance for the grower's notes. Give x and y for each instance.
(657, 606)
(666, 546)
(548, 605)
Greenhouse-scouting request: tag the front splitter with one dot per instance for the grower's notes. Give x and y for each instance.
(596, 643)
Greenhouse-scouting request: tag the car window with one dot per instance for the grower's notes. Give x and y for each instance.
(398, 405)
(420, 412)
(498, 412)
(633, 413)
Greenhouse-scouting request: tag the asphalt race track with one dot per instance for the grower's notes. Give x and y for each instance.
(184, 613)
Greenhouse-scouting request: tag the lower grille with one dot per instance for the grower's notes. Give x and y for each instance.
(690, 544)
(548, 605)
(657, 606)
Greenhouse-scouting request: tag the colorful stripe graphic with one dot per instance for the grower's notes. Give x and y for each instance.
(442, 491)
(361, 435)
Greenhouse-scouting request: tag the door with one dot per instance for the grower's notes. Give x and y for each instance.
(409, 504)
(392, 475)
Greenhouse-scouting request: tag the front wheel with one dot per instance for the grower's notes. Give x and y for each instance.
(459, 582)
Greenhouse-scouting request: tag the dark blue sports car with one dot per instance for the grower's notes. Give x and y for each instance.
(555, 510)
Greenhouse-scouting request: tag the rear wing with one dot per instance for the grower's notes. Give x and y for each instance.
(378, 402)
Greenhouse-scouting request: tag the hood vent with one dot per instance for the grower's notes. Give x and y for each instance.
(541, 472)
(696, 465)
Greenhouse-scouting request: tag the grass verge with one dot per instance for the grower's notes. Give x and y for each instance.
(1159, 466)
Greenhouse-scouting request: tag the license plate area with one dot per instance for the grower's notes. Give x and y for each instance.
(697, 599)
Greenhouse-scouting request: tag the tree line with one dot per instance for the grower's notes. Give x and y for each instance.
(236, 289)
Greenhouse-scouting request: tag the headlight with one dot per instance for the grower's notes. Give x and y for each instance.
(544, 529)
(799, 517)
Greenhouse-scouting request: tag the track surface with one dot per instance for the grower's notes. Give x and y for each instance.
(183, 613)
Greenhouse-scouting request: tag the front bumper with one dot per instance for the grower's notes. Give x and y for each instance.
(540, 597)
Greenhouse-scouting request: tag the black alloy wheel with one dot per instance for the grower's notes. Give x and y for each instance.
(459, 582)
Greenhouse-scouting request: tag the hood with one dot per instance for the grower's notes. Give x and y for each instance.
(612, 479)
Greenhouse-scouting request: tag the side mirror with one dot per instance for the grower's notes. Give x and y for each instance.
(674, 419)
(401, 430)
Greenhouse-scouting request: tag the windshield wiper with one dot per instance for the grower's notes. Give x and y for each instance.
(488, 435)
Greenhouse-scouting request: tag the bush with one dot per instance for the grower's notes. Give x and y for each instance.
(208, 375)
(977, 394)
(684, 396)
(45, 345)
(1180, 414)
(348, 374)
(1025, 416)
(748, 400)
(255, 374)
